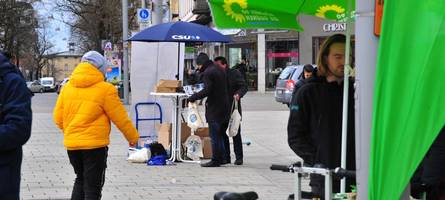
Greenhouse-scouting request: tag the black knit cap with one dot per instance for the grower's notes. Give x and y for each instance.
(308, 68)
(202, 58)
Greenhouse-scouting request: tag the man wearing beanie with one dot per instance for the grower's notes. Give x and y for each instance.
(83, 112)
(217, 105)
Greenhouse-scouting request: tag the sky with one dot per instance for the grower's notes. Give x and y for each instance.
(59, 31)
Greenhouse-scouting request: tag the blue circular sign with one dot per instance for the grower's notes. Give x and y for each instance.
(144, 14)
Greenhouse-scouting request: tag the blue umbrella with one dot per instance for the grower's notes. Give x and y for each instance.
(179, 32)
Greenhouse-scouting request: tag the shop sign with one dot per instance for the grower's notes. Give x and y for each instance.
(334, 27)
(282, 55)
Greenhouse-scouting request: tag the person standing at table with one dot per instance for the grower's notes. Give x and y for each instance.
(217, 105)
(237, 89)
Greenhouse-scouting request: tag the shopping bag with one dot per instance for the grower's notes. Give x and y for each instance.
(194, 147)
(235, 120)
(194, 120)
(138, 155)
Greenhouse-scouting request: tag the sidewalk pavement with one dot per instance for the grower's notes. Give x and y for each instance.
(47, 174)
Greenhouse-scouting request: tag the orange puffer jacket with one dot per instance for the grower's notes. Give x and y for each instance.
(85, 107)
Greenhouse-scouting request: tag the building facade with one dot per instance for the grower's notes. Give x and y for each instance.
(61, 65)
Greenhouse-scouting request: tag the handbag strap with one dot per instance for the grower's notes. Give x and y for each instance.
(234, 104)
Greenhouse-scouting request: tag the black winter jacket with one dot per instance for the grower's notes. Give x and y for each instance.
(215, 89)
(15, 127)
(315, 123)
(237, 85)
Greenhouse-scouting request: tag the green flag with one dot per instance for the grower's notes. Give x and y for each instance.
(273, 14)
(409, 101)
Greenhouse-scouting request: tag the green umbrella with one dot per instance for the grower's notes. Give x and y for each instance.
(409, 99)
(274, 14)
(282, 14)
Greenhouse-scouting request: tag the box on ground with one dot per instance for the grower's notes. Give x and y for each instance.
(164, 134)
(186, 132)
(206, 147)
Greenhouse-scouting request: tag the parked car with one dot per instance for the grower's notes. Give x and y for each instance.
(286, 83)
(62, 83)
(35, 87)
(49, 83)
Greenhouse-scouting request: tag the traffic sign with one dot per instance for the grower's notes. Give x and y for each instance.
(144, 15)
(108, 46)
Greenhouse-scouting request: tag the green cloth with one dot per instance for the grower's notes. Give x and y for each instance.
(273, 14)
(409, 101)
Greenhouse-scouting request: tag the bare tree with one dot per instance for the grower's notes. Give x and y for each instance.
(41, 49)
(17, 26)
(93, 21)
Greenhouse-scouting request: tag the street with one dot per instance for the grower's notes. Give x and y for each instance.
(47, 174)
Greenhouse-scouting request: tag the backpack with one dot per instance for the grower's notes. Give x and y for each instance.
(157, 149)
(158, 154)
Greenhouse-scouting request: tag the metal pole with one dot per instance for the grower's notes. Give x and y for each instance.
(344, 131)
(366, 54)
(261, 65)
(143, 4)
(125, 47)
(157, 12)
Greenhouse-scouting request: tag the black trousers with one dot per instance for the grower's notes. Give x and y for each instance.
(237, 145)
(89, 166)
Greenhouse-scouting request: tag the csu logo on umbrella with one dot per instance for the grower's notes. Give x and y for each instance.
(185, 37)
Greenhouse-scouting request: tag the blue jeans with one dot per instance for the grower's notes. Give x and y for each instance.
(216, 131)
(237, 146)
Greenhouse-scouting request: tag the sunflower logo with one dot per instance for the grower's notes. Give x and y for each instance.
(323, 10)
(238, 17)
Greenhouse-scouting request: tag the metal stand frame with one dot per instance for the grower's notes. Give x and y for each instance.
(176, 130)
(327, 173)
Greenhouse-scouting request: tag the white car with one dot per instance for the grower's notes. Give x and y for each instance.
(35, 87)
(49, 83)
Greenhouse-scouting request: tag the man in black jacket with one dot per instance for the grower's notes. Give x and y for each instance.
(430, 176)
(15, 127)
(217, 105)
(315, 122)
(237, 89)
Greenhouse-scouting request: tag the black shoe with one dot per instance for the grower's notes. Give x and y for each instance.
(210, 164)
(238, 162)
(224, 162)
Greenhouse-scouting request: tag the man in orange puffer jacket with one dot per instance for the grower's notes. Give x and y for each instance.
(83, 111)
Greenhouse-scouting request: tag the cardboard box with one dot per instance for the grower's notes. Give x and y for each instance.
(202, 132)
(167, 86)
(186, 132)
(164, 134)
(206, 147)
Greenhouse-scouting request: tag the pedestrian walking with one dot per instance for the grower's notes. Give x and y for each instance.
(237, 88)
(315, 121)
(83, 112)
(243, 68)
(217, 105)
(308, 71)
(15, 127)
